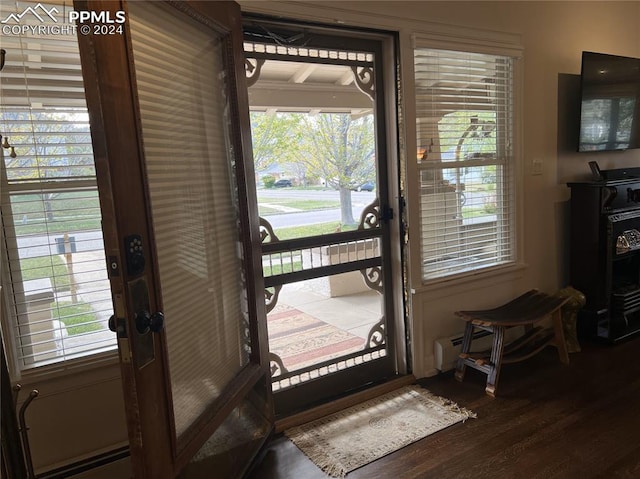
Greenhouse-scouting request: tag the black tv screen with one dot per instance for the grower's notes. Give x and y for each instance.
(610, 103)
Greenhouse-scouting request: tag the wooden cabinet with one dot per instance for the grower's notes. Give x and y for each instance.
(605, 253)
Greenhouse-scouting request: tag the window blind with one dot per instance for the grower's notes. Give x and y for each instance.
(60, 298)
(464, 125)
(181, 78)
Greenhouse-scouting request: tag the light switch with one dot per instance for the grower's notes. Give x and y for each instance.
(536, 166)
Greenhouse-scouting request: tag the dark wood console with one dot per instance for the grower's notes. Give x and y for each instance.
(605, 253)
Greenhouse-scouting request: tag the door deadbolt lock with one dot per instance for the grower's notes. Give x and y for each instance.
(146, 322)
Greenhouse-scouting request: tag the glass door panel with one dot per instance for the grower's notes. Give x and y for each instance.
(183, 110)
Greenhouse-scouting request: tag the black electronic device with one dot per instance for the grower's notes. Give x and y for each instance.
(609, 102)
(134, 254)
(595, 171)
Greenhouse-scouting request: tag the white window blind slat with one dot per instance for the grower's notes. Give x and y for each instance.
(464, 131)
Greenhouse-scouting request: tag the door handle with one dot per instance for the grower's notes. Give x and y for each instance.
(112, 323)
(146, 322)
(118, 326)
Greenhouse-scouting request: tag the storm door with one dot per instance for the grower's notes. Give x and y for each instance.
(321, 158)
(169, 122)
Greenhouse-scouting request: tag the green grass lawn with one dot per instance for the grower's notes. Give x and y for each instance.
(46, 267)
(59, 225)
(312, 230)
(275, 269)
(69, 212)
(302, 205)
(476, 211)
(79, 318)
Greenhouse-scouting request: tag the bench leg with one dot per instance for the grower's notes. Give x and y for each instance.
(559, 340)
(466, 347)
(496, 361)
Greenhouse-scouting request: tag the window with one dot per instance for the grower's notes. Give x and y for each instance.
(465, 125)
(54, 279)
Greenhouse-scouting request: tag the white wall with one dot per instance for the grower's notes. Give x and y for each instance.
(75, 416)
(68, 422)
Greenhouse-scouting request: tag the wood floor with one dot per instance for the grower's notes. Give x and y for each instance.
(548, 421)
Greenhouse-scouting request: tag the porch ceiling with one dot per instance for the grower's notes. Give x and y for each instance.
(307, 87)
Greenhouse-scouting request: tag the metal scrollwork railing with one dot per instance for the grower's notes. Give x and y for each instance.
(271, 294)
(253, 67)
(373, 278)
(369, 219)
(267, 234)
(376, 336)
(370, 216)
(276, 365)
(271, 297)
(365, 80)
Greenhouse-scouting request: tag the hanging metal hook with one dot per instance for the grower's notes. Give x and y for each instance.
(24, 435)
(16, 391)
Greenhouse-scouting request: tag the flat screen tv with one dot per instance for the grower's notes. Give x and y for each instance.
(610, 103)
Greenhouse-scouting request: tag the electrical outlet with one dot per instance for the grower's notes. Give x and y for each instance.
(536, 166)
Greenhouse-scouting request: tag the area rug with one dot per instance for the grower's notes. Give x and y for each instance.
(356, 436)
(301, 340)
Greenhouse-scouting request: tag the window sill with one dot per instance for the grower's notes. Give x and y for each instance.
(471, 280)
(72, 374)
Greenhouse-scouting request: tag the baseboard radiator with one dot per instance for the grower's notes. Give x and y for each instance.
(85, 466)
(446, 350)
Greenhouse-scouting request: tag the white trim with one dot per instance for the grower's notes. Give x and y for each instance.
(478, 279)
(98, 363)
(7, 302)
(518, 152)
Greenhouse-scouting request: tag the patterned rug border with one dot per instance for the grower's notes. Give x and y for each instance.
(320, 452)
(300, 339)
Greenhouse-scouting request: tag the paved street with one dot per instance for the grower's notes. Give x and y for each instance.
(44, 245)
(31, 246)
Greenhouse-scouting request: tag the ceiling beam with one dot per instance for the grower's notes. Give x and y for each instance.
(291, 98)
(345, 79)
(304, 97)
(303, 73)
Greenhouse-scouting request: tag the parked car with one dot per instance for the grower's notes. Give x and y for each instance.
(282, 183)
(366, 186)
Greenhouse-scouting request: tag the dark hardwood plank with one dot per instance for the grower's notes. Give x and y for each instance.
(549, 420)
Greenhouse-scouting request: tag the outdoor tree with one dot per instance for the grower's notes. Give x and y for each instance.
(340, 149)
(275, 138)
(49, 146)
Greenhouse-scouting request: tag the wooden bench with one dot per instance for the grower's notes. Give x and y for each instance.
(526, 310)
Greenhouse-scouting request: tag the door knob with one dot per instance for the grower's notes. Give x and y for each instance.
(157, 322)
(117, 325)
(146, 322)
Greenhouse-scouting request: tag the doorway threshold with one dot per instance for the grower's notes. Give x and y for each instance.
(343, 402)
